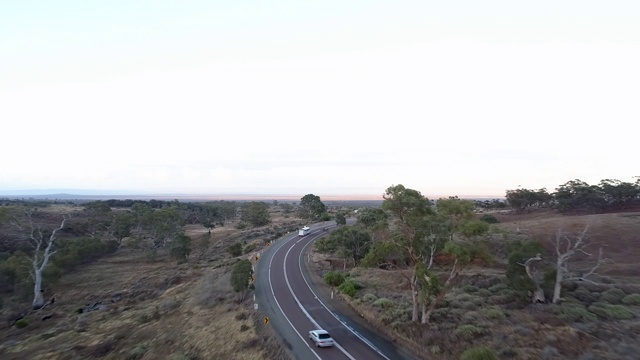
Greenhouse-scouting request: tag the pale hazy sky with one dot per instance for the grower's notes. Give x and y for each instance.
(447, 97)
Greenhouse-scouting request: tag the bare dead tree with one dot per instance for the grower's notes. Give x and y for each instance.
(43, 249)
(566, 249)
(529, 266)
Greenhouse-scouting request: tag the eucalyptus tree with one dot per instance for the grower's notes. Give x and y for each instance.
(256, 213)
(43, 243)
(311, 207)
(409, 209)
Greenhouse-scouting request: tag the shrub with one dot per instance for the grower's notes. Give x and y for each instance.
(612, 312)
(334, 278)
(489, 219)
(439, 315)
(612, 296)
(471, 317)
(573, 313)
(181, 248)
(241, 226)
(470, 289)
(384, 303)
(498, 288)
(468, 332)
(369, 297)
(484, 293)
(584, 295)
(136, 353)
(493, 314)
(479, 353)
(235, 249)
(348, 288)
(633, 299)
(22, 323)
(244, 327)
(619, 312)
(249, 248)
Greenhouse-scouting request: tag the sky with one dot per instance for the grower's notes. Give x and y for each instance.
(328, 97)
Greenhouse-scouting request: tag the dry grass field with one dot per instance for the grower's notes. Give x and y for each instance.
(151, 309)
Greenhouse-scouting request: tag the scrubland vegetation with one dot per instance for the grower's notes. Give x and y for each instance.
(538, 276)
(130, 279)
(553, 278)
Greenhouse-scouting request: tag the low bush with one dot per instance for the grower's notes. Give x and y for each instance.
(439, 315)
(348, 288)
(633, 299)
(493, 314)
(479, 353)
(584, 295)
(22, 323)
(249, 248)
(612, 296)
(334, 278)
(612, 312)
(470, 289)
(498, 288)
(573, 313)
(136, 353)
(235, 249)
(489, 219)
(468, 332)
(369, 298)
(384, 303)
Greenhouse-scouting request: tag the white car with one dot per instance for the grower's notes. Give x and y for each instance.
(321, 338)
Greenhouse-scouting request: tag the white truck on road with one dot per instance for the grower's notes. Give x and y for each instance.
(304, 231)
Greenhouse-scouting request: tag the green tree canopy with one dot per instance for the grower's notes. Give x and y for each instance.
(256, 213)
(311, 207)
(240, 276)
(349, 242)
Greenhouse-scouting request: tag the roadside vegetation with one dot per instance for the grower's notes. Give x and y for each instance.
(538, 276)
(134, 279)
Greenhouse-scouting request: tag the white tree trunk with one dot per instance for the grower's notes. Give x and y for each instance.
(414, 297)
(557, 287)
(38, 267)
(38, 297)
(566, 248)
(426, 311)
(538, 292)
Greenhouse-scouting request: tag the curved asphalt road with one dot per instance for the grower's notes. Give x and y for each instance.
(284, 295)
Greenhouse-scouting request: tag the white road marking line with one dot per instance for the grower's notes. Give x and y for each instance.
(331, 312)
(286, 279)
(280, 307)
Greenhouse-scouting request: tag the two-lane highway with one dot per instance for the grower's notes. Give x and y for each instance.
(286, 296)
